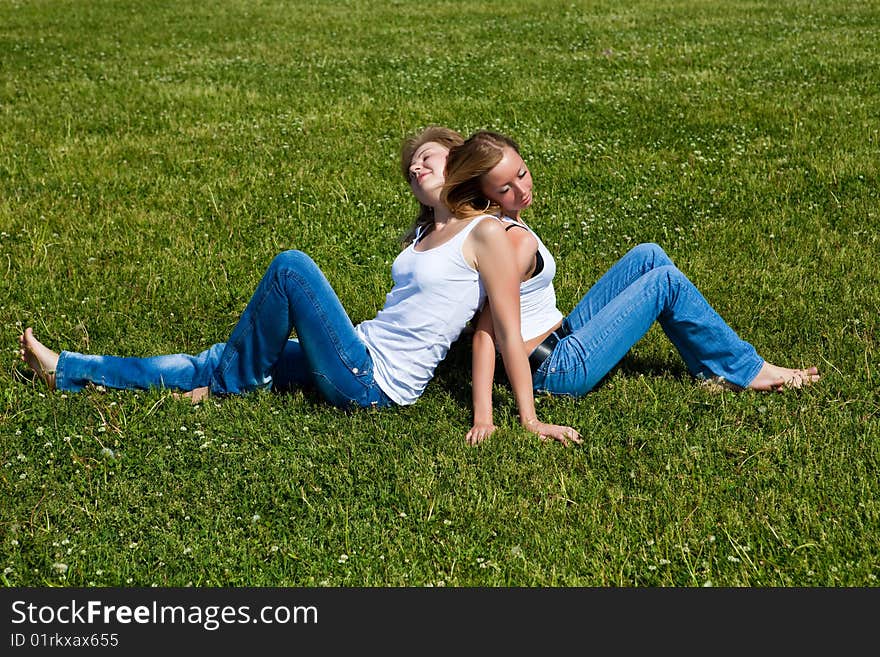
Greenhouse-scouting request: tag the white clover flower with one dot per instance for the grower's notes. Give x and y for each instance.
(60, 568)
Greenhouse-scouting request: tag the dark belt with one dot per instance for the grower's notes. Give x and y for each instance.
(542, 351)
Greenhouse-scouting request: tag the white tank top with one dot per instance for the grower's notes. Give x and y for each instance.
(537, 296)
(435, 294)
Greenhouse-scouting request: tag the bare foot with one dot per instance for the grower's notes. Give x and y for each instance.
(196, 396)
(42, 360)
(773, 378)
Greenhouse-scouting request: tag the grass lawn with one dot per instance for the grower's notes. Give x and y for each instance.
(155, 156)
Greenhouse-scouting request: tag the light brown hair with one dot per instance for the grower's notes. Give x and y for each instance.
(440, 135)
(465, 168)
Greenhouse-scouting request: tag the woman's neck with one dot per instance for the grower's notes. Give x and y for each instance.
(442, 215)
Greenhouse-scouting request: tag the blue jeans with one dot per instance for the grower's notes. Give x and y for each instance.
(644, 286)
(293, 294)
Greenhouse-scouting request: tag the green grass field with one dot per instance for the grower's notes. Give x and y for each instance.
(155, 156)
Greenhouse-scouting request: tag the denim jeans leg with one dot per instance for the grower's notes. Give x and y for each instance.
(706, 343)
(291, 371)
(294, 294)
(639, 260)
(173, 371)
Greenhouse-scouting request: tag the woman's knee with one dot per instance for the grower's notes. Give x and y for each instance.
(652, 253)
(291, 260)
(668, 277)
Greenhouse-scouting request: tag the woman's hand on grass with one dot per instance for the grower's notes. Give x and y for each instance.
(556, 432)
(479, 432)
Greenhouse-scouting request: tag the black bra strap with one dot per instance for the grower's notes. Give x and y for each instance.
(539, 259)
(539, 264)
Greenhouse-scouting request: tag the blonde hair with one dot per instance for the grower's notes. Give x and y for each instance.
(465, 168)
(445, 137)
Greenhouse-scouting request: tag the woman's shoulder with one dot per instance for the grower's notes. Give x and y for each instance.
(487, 226)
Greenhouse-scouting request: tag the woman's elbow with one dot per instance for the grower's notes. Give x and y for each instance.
(502, 340)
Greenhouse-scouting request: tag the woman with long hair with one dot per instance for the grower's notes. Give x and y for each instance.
(570, 354)
(442, 277)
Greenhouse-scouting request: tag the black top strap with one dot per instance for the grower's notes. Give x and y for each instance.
(539, 260)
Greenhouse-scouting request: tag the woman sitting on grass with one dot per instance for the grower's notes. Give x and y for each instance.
(440, 280)
(570, 355)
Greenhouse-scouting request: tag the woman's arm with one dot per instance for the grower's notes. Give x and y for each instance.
(501, 280)
(523, 245)
(483, 374)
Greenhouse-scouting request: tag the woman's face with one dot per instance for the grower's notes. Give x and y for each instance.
(509, 183)
(427, 172)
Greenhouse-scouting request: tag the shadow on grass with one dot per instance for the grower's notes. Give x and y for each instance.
(453, 375)
(635, 365)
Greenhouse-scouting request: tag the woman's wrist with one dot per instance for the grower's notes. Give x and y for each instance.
(483, 416)
(528, 424)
